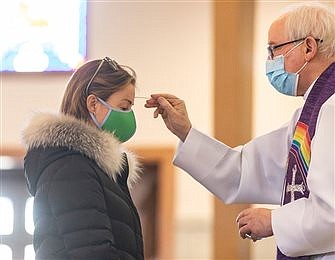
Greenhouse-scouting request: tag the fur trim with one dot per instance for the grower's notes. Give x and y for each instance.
(49, 130)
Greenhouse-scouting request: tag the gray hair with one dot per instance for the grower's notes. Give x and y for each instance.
(312, 19)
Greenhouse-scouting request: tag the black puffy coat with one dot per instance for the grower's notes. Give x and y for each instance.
(79, 177)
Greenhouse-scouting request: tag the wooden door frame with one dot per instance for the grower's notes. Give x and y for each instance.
(233, 32)
(162, 156)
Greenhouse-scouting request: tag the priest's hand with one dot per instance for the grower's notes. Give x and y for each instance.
(255, 223)
(173, 112)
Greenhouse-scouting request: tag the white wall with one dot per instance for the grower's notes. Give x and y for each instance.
(169, 44)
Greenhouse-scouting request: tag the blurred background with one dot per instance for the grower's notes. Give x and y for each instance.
(209, 53)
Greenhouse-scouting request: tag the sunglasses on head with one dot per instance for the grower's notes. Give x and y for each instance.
(115, 67)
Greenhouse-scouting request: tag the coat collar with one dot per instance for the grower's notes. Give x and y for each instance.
(49, 130)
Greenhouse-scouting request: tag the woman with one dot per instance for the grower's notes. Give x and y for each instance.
(79, 173)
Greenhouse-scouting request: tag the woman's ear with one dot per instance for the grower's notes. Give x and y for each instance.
(91, 103)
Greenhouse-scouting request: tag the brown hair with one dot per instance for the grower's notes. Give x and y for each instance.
(106, 82)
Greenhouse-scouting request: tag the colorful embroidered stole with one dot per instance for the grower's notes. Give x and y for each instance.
(295, 186)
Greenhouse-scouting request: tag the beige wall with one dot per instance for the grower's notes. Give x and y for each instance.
(168, 44)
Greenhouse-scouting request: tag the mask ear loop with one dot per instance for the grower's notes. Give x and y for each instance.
(303, 66)
(293, 48)
(112, 108)
(95, 120)
(297, 73)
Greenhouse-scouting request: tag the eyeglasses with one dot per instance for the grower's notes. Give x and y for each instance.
(111, 62)
(271, 48)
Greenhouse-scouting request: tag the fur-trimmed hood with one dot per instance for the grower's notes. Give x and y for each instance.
(48, 130)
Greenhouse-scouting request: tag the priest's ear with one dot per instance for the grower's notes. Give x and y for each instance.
(311, 48)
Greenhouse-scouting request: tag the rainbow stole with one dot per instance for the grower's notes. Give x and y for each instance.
(301, 146)
(295, 185)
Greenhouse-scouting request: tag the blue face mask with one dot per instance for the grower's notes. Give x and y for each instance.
(283, 81)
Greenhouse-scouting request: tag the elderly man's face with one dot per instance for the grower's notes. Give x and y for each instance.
(276, 36)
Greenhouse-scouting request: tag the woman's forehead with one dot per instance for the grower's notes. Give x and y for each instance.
(125, 93)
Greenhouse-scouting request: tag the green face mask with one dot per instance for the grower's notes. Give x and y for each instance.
(122, 124)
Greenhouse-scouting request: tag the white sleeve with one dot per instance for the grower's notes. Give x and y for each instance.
(253, 173)
(307, 226)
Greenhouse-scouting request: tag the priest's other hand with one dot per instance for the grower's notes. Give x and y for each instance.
(255, 223)
(173, 112)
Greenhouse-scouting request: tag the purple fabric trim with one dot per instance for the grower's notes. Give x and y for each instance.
(323, 88)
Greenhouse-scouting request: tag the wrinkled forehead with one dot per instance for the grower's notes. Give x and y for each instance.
(277, 32)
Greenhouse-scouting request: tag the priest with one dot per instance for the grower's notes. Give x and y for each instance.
(292, 166)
